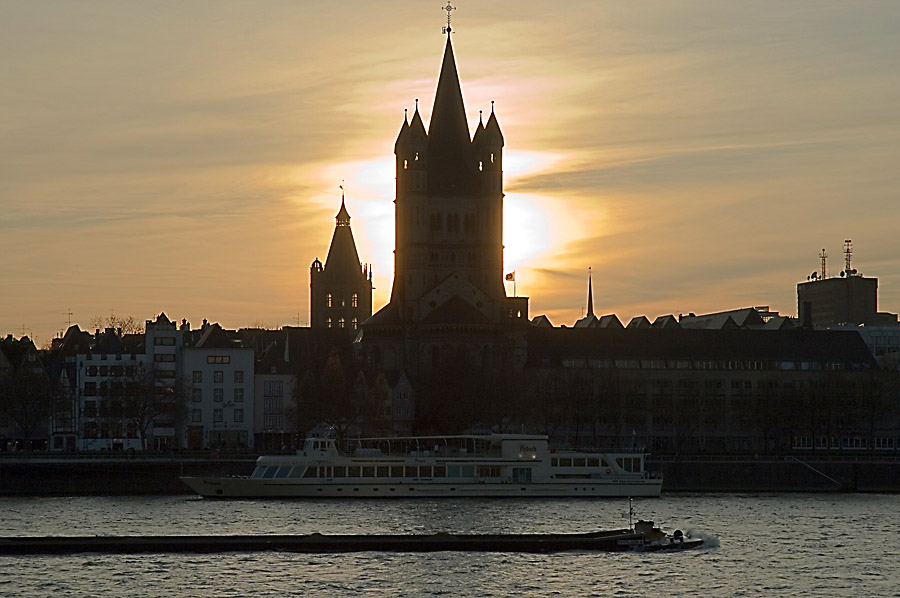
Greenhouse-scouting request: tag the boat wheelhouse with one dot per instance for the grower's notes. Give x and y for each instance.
(495, 465)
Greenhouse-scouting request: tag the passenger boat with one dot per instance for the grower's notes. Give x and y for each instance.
(494, 465)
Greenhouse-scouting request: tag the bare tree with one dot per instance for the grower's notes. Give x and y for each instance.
(128, 324)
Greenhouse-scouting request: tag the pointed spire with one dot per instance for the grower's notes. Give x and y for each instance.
(590, 306)
(343, 216)
(450, 162)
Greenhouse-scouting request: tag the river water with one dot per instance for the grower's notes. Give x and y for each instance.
(760, 545)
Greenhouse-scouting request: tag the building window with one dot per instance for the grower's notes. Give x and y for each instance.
(340, 322)
(164, 341)
(196, 394)
(196, 415)
(239, 377)
(197, 377)
(164, 357)
(328, 323)
(218, 395)
(218, 376)
(354, 323)
(238, 395)
(218, 359)
(238, 415)
(217, 415)
(328, 300)
(273, 388)
(354, 300)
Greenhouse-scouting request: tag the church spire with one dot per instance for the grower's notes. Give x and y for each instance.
(450, 169)
(590, 305)
(343, 216)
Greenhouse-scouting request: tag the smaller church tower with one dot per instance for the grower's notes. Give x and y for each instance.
(340, 291)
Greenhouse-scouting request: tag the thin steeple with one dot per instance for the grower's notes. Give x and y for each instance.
(590, 306)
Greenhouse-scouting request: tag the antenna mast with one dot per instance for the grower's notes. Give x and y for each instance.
(848, 252)
(823, 256)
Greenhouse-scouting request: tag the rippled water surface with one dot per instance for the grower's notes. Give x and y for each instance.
(761, 545)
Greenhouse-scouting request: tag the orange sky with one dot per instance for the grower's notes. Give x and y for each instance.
(185, 156)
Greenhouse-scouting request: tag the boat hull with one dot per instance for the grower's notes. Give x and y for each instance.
(214, 487)
(611, 541)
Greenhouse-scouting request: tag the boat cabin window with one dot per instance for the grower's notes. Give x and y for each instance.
(629, 463)
(368, 471)
(425, 471)
(593, 462)
(297, 472)
(488, 471)
(411, 472)
(283, 471)
(340, 471)
(565, 462)
(453, 471)
(579, 462)
(383, 471)
(258, 472)
(440, 471)
(353, 471)
(270, 471)
(311, 472)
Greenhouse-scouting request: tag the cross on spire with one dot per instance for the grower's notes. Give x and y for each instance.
(448, 8)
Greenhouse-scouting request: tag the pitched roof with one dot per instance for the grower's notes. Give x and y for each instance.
(214, 337)
(455, 310)
(639, 322)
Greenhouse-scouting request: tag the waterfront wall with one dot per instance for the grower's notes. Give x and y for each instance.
(109, 476)
(36, 476)
(782, 474)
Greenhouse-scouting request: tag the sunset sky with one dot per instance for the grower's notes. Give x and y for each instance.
(185, 157)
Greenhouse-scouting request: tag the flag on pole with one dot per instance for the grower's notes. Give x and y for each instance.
(511, 275)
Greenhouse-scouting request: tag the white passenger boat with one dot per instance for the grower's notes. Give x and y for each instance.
(496, 465)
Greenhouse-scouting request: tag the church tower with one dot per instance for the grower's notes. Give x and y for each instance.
(340, 291)
(449, 208)
(448, 304)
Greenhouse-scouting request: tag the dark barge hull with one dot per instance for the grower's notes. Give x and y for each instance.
(611, 541)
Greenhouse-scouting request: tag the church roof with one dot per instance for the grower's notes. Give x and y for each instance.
(342, 255)
(450, 165)
(456, 311)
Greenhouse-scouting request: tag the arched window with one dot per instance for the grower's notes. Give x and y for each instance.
(328, 300)
(354, 300)
(340, 322)
(328, 322)
(354, 323)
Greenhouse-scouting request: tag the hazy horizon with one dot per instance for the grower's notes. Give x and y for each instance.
(185, 158)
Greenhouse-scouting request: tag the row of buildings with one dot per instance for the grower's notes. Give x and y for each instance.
(451, 352)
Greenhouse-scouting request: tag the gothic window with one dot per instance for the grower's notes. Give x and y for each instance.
(328, 323)
(480, 166)
(328, 300)
(354, 324)
(340, 322)
(354, 300)
(405, 164)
